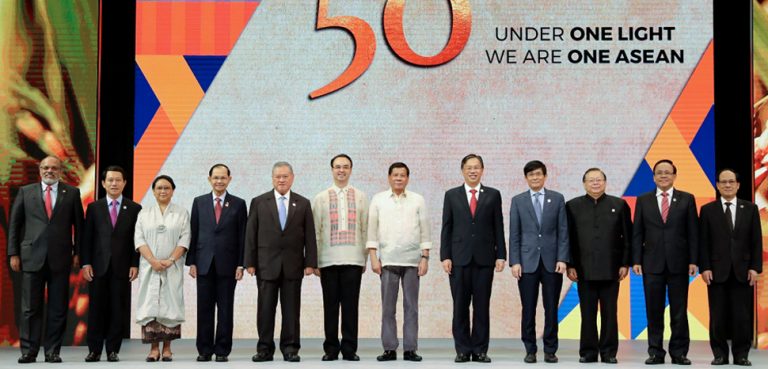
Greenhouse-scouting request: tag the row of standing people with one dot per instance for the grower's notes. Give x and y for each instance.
(590, 239)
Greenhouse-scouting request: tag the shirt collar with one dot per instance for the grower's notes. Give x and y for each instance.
(54, 187)
(592, 199)
(733, 202)
(542, 191)
(278, 195)
(222, 197)
(119, 200)
(392, 193)
(479, 187)
(669, 191)
(338, 190)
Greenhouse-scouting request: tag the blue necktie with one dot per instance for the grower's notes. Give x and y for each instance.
(282, 212)
(537, 206)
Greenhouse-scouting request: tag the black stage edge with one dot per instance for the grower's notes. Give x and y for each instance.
(733, 90)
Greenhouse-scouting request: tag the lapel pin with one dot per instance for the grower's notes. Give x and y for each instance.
(294, 204)
(613, 210)
(63, 191)
(481, 190)
(125, 207)
(226, 204)
(741, 206)
(549, 200)
(674, 199)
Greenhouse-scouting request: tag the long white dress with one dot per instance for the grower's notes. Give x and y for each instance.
(161, 295)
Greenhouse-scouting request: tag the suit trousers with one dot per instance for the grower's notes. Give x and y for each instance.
(107, 307)
(551, 285)
(675, 288)
(391, 277)
(341, 289)
(730, 316)
(33, 286)
(289, 293)
(606, 295)
(471, 284)
(215, 297)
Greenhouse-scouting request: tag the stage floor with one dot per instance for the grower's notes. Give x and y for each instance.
(437, 353)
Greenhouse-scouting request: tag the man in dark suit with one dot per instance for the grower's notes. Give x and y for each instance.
(538, 253)
(280, 249)
(665, 245)
(215, 259)
(110, 264)
(600, 232)
(730, 260)
(46, 220)
(471, 247)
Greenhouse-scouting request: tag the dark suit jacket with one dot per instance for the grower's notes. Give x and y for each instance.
(674, 244)
(222, 242)
(36, 238)
(272, 250)
(529, 241)
(600, 234)
(464, 238)
(723, 250)
(103, 245)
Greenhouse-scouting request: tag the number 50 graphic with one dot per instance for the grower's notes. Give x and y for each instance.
(365, 41)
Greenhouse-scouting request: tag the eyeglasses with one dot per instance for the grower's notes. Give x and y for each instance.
(664, 173)
(47, 168)
(594, 180)
(727, 182)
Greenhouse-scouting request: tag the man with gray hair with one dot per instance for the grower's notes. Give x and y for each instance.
(280, 249)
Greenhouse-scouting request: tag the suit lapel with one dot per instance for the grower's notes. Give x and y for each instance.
(224, 210)
(207, 208)
(291, 208)
(481, 200)
(654, 204)
(104, 209)
(62, 191)
(273, 210)
(739, 214)
(36, 197)
(463, 200)
(528, 204)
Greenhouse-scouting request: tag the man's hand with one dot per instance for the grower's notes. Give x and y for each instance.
(76, 262)
(239, 273)
(376, 265)
(623, 273)
(133, 273)
(517, 271)
(638, 269)
(500, 265)
(193, 271)
(251, 270)
(308, 271)
(560, 267)
(448, 266)
(706, 276)
(752, 277)
(316, 271)
(156, 265)
(16, 263)
(88, 273)
(692, 269)
(166, 263)
(572, 274)
(423, 267)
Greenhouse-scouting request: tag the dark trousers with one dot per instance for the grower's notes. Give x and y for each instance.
(471, 284)
(341, 290)
(606, 295)
(551, 285)
(215, 297)
(33, 286)
(730, 316)
(289, 293)
(657, 287)
(106, 309)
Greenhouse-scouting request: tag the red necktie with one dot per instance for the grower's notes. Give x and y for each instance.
(664, 206)
(473, 202)
(48, 202)
(113, 213)
(217, 209)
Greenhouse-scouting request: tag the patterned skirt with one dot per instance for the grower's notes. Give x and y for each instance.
(155, 332)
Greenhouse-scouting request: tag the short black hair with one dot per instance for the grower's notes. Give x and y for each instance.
(342, 156)
(472, 156)
(165, 177)
(719, 172)
(219, 165)
(662, 161)
(399, 165)
(534, 165)
(113, 168)
(593, 169)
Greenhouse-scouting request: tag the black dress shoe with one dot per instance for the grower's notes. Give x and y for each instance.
(550, 358)
(203, 357)
(388, 355)
(53, 358)
(481, 358)
(461, 358)
(530, 358)
(27, 358)
(654, 359)
(261, 356)
(411, 356)
(742, 361)
(610, 360)
(588, 359)
(292, 357)
(329, 357)
(112, 357)
(351, 357)
(681, 360)
(167, 358)
(719, 360)
(92, 357)
(221, 358)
